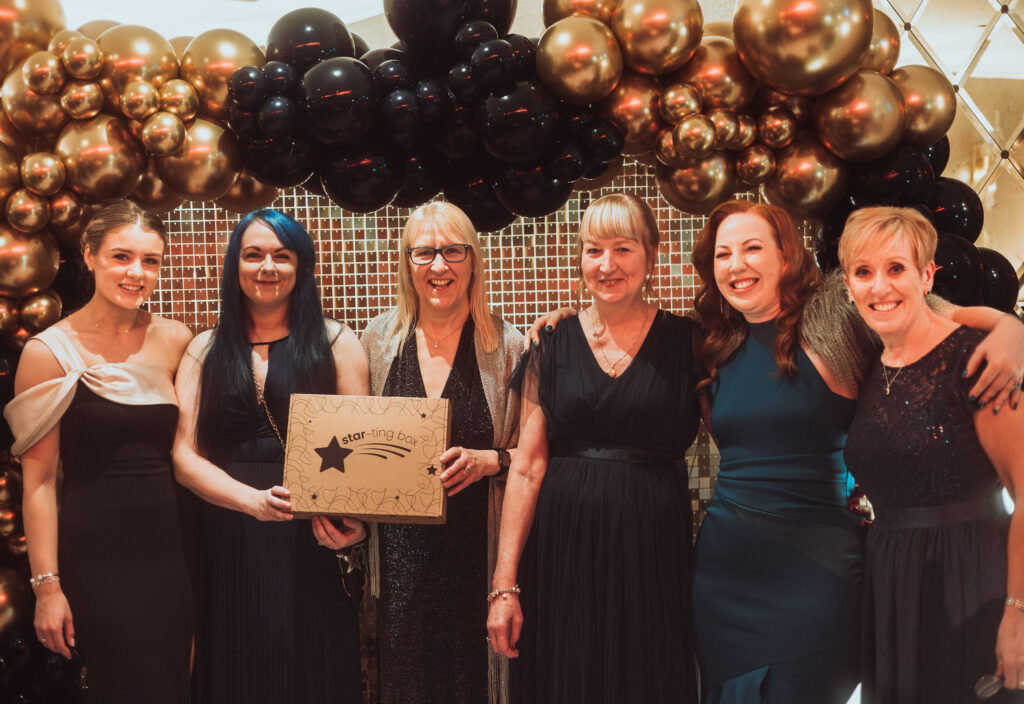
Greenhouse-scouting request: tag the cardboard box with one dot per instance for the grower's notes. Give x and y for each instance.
(367, 457)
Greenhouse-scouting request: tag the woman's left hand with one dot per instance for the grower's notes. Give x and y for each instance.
(330, 536)
(1010, 648)
(1002, 351)
(465, 466)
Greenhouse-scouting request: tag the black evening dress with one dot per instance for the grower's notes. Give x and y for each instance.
(935, 576)
(279, 626)
(605, 574)
(431, 613)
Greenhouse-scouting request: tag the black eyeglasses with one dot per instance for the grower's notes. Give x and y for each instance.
(451, 253)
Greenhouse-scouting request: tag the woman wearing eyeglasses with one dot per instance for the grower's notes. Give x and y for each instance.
(442, 341)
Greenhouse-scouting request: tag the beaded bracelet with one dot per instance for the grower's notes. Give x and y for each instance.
(1015, 603)
(41, 579)
(503, 593)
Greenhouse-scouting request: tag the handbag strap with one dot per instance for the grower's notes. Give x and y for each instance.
(266, 408)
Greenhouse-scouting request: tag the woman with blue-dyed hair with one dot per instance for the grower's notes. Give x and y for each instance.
(277, 624)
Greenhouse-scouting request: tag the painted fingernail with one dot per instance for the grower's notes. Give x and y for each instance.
(548, 328)
(1015, 405)
(963, 375)
(535, 344)
(972, 399)
(982, 405)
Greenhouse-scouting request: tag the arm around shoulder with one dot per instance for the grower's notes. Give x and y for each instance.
(350, 363)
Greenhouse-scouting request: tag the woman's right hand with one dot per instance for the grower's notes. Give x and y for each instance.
(504, 624)
(270, 504)
(54, 627)
(549, 322)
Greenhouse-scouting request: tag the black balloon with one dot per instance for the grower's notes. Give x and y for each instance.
(306, 36)
(421, 182)
(1000, 286)
(519, 127)
(494, 65)
(959, 270)
(577, 120)
(602, 140)
(243, 123)
(362, 179)
(338, 101)
(956, 208)
(248, 87)
(524, 54)
(283, 78)
(826, 239)
(937, 155)
(375, 57)
(435, 100)
(463, 85)
(455, 138)
(392, 75)
(471, 187)
(530, 192)
(428, 27)
(313, 185)
(400, 113)
(473, 34)
(359, 44)
(74, 283)
(567, 164)
(283, 162)
(901, 176)
(277, 116)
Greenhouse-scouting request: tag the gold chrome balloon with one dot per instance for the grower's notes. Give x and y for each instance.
(40, 311)
(930, 101)
(60, 40)
(633, 108)
(207, 165)
(43, 173)
(179, 43)
(132, 53)
(578, 59)
(103, 161)
(698, 188)
(34, 113)
(657, 36)
(43, 72)
(776, 127)
(210, 59)
(82, 99)
(163, 134)
(179, 97)
(677, 101)
(94, 28)
(10, 173)
(139, 100)
(65, 209)
(808, 179)
(862, 119)
(11, 137)
(802, 47)
(694, 136)
(755, 164)
(248, 194)
(746, 132)
(884, 48)
(666, 152)
(28, 263)
(26, 24)
(10, 318)
(726, 126)
(555, 10)
(82, 58)
(27, 211)
(153, 194)
(718, 75)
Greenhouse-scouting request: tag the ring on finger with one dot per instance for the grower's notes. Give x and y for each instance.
(466, 470)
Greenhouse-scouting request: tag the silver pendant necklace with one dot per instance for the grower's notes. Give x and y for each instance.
(889, 382)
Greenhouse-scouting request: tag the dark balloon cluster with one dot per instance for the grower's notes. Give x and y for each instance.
(455, 106)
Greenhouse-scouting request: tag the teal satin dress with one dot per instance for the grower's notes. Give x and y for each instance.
(777, 584)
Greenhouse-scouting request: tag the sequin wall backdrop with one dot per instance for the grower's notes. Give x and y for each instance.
(530, 266)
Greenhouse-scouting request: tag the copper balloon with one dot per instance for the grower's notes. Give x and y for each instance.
(207, 165)
(746, 132)
(10, 320)
(31, 112)
(802, 47)
(27, 211)
(776, 127)
(613, 170)
(930, 100)
(103, 161)
(65, 209)
(131, 53)
(163, 134)
(28, 263)
(179, 43)
(69, 234)
(718, 29)
(694, 137)
(666, 152)
(43, 72)
(718, 75)
(633, 107)
(60, 40)
(726, 126)
(28, 23)
(10, 173)
(94, 28)
(801, 106)
(555, 10)
(82, 58)
(139, 100)
(677, 101)
(578, 59)
(42, 173)
(884, 49)
(40, 311)
(11, 137)
(862, 119)
(698, 188)
(247, 194)
(808, 178)
(755, 164)
(210, 59)
(153, 194)
(82, 99)
(657, 36)
(17, 545)
(179, 97)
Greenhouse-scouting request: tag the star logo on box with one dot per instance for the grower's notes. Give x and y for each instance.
(333, 455)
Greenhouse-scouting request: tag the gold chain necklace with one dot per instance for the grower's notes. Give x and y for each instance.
(437, 342)
(610, 371)
(889, 382)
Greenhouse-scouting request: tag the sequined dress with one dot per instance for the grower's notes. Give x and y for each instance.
(431, 612)
(935, 576)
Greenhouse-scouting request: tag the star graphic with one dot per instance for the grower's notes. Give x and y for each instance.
(313, 496)
(333, 456)
(423, 415)
(431, 470)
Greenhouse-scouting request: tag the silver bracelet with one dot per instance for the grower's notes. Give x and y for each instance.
(1015, 603)
(41, 579)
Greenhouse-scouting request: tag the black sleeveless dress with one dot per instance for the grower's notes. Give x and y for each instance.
(432, 613)
(278, 626)
(935, 572)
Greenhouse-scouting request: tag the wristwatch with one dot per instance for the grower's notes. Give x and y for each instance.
(504, 461)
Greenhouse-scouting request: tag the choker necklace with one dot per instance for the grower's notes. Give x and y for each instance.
(610, 371)
(437, 342)
(889, 382)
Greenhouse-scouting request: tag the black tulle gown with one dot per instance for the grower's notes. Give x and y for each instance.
(278, 626)
(605, 575)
